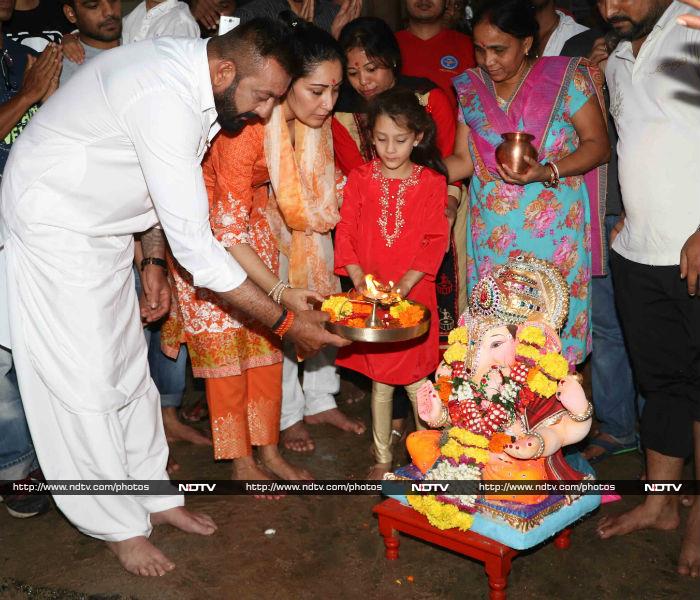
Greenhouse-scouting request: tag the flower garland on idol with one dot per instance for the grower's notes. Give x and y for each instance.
(480, 415)
(463, 456)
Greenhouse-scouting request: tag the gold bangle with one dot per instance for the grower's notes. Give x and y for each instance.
(588, 413)
(442, 420)
(539, 453)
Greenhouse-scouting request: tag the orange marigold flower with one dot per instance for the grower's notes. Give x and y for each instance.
(356, 322)
(498, 442)
(444, 388)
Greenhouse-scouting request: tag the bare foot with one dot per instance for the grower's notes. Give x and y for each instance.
(656, 514)
(246, 468)
(138, 556)
(689, 560)
(297, 438)
(177, 431)
(338, 419)
(687, 500)
(185, 520)
(377, 472)
(172, 465)
(272, 460)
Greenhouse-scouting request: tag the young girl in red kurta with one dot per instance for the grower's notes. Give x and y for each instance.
(393, 226)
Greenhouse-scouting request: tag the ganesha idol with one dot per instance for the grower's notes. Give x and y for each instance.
(504, 403)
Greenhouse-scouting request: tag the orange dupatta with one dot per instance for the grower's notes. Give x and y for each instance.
(303, 207)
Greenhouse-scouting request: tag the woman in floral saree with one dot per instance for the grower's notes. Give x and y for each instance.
(554, 210)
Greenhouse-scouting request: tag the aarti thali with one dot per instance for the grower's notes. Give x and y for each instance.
(376, 314)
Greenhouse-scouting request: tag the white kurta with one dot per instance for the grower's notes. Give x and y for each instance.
(132, 122)
(171, 17)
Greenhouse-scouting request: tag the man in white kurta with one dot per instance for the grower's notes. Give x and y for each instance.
(131, 123)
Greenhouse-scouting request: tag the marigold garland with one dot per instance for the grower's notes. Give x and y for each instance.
(532, 335)
(554, 365)
(444, 388)
(457, 352)
(528, 352)
(458, 334)
(467, 438)
(454, 449)
(439, 514)
(541, 384)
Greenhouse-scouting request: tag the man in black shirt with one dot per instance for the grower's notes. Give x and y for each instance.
(35, 23)
(25, 82)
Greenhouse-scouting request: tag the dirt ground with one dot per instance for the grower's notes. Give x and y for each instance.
(328, 547)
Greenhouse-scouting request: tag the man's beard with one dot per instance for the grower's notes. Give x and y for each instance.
(107, 37)
(639, 29)
(228, 116)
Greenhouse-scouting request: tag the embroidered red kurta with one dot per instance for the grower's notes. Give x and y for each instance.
(420, 245)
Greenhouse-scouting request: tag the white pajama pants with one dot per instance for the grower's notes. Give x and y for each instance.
(321, 379)
(321, 383)
(80, 355)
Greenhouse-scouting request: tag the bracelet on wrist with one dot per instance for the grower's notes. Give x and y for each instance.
(553, 181)
(540, 451)
(279, 321)
(286, 324)
(280, 290)
(442, 420)
(587, 414)
(274, 288)
(159, 262)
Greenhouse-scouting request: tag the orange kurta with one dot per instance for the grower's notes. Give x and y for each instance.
(221, 340)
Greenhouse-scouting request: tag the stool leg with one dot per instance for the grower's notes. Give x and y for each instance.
(497, 569)
(391, 542)
(563, 539)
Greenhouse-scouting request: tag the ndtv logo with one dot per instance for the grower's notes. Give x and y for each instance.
(196, 487)
(663, 487)
(430, 487)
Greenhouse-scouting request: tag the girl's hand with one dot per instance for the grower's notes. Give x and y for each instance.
(299, 299)
(72, 48)
(536, 172)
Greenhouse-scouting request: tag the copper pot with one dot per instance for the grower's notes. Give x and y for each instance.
(513, 150)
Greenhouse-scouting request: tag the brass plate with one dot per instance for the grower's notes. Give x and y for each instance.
(362, 334)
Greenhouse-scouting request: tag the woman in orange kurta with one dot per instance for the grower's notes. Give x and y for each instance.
(240, 360)
(271, 188)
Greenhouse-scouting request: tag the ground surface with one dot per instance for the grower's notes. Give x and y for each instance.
(328, 547)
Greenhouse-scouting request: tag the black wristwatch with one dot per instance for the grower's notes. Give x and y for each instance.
(160, 262)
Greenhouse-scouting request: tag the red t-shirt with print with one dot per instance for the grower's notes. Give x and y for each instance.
(439, 59)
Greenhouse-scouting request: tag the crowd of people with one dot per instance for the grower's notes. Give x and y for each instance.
(175, 197)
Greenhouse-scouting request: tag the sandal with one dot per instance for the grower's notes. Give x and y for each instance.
(609, 449)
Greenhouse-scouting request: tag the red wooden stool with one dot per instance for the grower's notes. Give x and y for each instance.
(394, 516)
